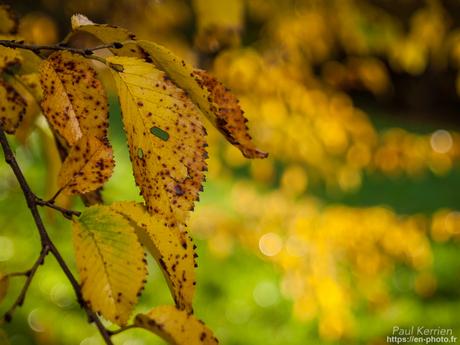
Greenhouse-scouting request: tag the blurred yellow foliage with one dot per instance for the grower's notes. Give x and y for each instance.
(331, 257)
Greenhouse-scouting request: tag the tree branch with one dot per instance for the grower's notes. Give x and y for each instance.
(65, 212)
(37, 49)
(30, 275)
(47, 245)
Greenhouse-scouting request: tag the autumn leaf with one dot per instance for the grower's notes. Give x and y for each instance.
(31, 82)
(4, 282)
(172, 248)
(165, 136)
(87, 167)
(28, 86)
(176, 326)
(219, 23)
(12, 107)
(110, 261)
(74, 100)
(218, 104)
(8, 20)
(9, 58)
(108, 34)
(30, 63)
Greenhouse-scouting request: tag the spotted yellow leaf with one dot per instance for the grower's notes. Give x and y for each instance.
(28, 86)
(165, 136)
(8, 20)
(219, 23)
(4, 282)
(12, 107)
(9, 58)
(176, 326)
(110, 261)
(74, 100)
(31, 81)
(172, 248)
(108, 34)
(217, 102)
(87, 167)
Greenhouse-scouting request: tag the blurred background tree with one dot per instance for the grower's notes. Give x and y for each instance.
(349, 228)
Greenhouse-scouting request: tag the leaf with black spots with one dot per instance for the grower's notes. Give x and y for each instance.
(108, 34)
(219, 105)
(176, 326)
(172, 248)
(9, 58)
(87, 167)
(74, 100)
(28, 86)
(12, 107)
(110, 261)
(165, 136)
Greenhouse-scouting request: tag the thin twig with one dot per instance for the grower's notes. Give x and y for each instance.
(47, 244)
(37, 49)
(30, 275)
(65, 212)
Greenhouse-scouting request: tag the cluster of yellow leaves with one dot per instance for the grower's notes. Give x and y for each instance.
(161, 105)
(316, 247)
(163, 102)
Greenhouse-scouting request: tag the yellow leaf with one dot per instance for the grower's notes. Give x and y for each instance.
(30, 62)
(31, 81)
(166, 139)
(9, 58)
(172, 248)
(108, 34)
(110, 261)
(87, 167)
(74, 100)
(4, 282)
(12, 108)
(219, 24)
(8, 21)
(176, 326)
(28, 86)
(218, 104)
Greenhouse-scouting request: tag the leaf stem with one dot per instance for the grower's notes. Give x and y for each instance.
(46, 243)
(122, 329)
(65, 212)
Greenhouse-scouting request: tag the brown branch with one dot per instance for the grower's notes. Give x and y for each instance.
(65, 212)
(60, 46)
(46, 243)
(30, 275)
(38, 49)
